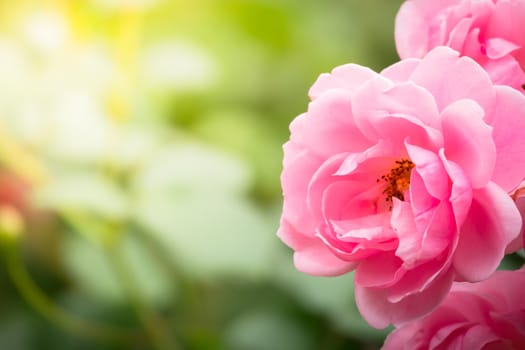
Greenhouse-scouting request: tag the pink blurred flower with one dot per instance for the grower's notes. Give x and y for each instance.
(485, 315)
(14, 192)
(489, 31)
(404, 176)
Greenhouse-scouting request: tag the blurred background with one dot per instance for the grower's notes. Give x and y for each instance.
(140, 154)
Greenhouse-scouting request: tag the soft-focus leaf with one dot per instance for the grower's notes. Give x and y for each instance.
(93, 272)
(263, 330)
(178, 66)
(252, 138)
(211, 235)
(83, 191)
(190, 198)
(180, 169)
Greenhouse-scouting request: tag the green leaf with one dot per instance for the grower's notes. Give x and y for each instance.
(94, 274)
(192, 168)
(88, 192)
(264, 330)
(210, 235)
(190, 198)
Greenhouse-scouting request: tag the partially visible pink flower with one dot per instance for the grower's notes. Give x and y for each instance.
(489, 315)
(519, 198)
(489, 31)
(404, 177)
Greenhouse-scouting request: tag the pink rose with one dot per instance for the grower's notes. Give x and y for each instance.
(489, 31)
(485, 315)
(404, 176)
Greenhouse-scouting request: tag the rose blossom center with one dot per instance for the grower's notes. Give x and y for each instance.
(397, 180)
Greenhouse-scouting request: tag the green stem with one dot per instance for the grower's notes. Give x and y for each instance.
(154, 325)
(43, 304)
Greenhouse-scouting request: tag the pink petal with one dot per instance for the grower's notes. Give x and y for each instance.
(383, 111)
(369, 228)
(293, 238)
(404, 226)
(321, 180)
(506, 71)
(511, 326)
(332, 202)
(507, 21)
(328, 128)
(410, 99)
(430, 168)
(468, 140)
(492, 223)
(468, 79)
(398, 128)
(417, 279)
(375, 308)
(401, 71)
(421, 201)
(411, 31)
(455, 14)
(405, 338)
(348, 77)
(374, 160)
(415, 29)
(363, 104)
(518, 243)
(341, 197)
(449, 337)
(347, 199)
(472, 47)
(499, 47)
(317, 259)
(440, 232)
(362, 231)
(423, 333)
(504, 300)
(461, 193)
(381, 270)
(476, 337)
(515, 245)
(356, 251)
(508, 122)
(295, 177)
(459, 33)
(292, 152)
(468, 303)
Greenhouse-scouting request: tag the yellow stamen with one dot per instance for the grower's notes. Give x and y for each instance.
(397, 180)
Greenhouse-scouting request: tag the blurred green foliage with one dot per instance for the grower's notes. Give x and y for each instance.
(147, 135)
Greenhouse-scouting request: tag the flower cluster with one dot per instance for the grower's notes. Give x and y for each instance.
(413, 177)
